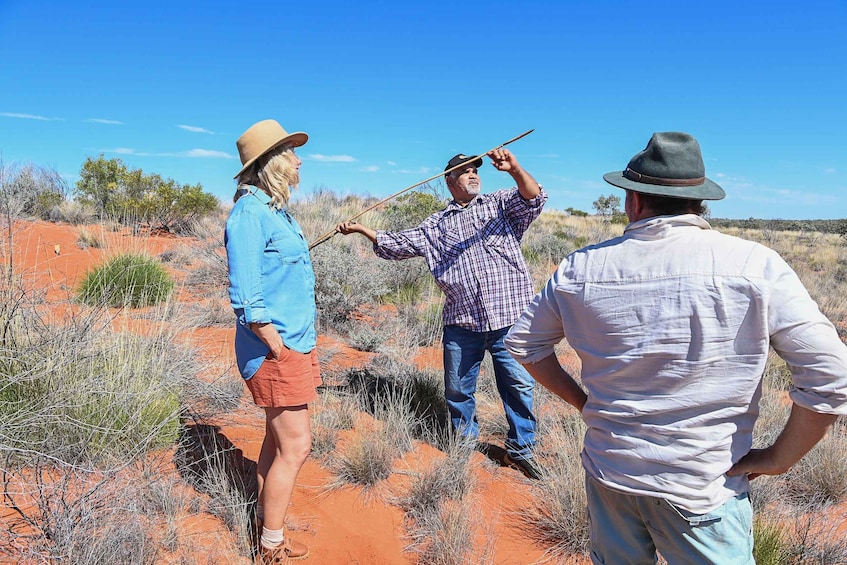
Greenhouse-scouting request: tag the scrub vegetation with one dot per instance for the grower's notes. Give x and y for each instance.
(109, 414)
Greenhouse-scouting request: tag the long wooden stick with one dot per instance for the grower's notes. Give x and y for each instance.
(328, 235)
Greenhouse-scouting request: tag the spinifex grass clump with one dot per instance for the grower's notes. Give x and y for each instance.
(131, 280)
(84, 394)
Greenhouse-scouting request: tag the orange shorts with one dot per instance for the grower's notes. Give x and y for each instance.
(287, 381)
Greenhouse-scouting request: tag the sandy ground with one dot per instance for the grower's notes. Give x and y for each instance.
(341, 526)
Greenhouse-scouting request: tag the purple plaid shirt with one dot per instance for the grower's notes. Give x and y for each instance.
(474, 253)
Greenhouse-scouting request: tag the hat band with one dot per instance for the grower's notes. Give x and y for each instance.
(638, 177)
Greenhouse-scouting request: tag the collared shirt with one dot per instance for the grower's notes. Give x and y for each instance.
(270, 279)
(672, 322)
(474, 253)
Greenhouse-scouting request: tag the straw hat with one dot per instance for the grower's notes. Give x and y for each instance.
(671, 165)
(262, 137)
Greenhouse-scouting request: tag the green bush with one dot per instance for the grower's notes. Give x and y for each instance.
(128, 280)
(131, 196)
(411, 209)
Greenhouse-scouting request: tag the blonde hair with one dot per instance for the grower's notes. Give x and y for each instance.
(275, 173)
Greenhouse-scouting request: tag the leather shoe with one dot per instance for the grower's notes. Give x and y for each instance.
(526, 466)
(288, 550)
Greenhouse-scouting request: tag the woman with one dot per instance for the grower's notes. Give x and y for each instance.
(272, 291)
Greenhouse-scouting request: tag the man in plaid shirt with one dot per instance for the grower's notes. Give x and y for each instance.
(473, 249)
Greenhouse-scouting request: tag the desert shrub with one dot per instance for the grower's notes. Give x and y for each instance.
(330, 414)
(30, 190)
(545, 247)
(410, 209)
(448, 478)
(821, 475)
(71, 516)
(208, 227)
(130, 280)
(607, 207)
(408, 281)
(365, 460)
(209, 268)
(412, 398)
(768, 543)
(368, 456)
(72, 212)
(208, 314)
(131, 196)
(416, 324)
(810, 537)
(81, 393)
(208, 461)
(444, 535)
(88, 238)
(556, 517)
(365, 337)
(344, 281)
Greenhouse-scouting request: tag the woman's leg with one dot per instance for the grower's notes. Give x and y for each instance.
(266, 457)
(287, 443)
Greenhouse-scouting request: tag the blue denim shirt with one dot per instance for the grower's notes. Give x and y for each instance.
(270, 279)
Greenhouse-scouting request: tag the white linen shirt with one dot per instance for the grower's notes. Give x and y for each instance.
(672, 322)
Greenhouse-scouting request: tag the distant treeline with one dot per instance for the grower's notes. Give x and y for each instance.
(824, 226)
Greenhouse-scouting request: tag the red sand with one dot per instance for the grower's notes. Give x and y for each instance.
(341, 526)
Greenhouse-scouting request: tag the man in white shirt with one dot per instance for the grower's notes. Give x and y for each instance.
(672, 322)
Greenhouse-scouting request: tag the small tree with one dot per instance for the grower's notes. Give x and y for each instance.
(411, 209)
(133, 196)
(608, 207)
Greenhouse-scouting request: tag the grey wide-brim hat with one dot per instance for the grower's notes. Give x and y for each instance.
(671, 165)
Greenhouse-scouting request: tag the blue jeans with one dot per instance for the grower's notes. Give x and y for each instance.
(628, 529)
(463, 353)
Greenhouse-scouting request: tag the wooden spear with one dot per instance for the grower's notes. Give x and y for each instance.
(328, 235)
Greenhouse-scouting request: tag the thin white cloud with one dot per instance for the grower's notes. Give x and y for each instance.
(830, 170)
(104, 121)
(369, 169)
(206, 153)
(591, 184)
(191, 153)
(418, 171)
(331, 158)
(195, 129)
(26, 116)
(391, 163)
(549, 156)
(747, 191)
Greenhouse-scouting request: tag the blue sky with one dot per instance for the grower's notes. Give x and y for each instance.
(388, 92)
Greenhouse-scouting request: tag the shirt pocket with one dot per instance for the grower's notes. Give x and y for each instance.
(451, 244)
(285, 248)
(495, 234)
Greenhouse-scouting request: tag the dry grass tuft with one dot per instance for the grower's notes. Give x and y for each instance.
(557, 517)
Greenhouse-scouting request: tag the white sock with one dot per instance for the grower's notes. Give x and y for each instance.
(271, 538)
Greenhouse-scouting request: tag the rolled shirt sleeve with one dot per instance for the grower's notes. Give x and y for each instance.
(538, 329)
(809, 344)
(244, 249)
